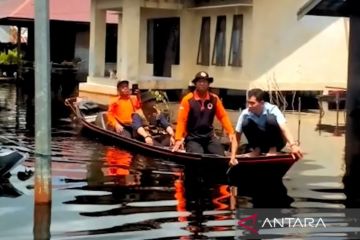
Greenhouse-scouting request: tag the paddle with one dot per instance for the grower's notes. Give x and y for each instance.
(228, 170)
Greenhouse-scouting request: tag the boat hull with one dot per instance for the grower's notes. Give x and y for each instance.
(9, 159)
(209, 163)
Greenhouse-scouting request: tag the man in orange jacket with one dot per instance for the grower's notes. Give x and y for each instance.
(121, 109)
(196, 117)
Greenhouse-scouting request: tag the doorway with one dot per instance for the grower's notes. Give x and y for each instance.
(165, 44)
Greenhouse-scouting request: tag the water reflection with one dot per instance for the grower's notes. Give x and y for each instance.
(8, 190)
(208, 204)
(336, 130)
(42, 221)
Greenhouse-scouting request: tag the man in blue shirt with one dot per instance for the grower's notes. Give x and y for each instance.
(265, 127)
(150, 125)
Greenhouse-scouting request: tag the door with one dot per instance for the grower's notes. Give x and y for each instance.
(166, 44)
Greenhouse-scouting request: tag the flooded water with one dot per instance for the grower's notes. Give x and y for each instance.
(104, 192)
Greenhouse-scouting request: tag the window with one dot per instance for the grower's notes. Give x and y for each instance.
(203, 57)
(150, 41)
(236, 42)
(218, 57)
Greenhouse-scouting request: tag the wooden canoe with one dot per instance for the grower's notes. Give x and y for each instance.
(91, 119)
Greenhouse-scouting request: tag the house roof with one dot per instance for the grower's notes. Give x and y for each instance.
(62, 10)
(338, 8)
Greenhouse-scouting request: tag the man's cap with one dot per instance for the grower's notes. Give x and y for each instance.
(147, 96)
(202, 75)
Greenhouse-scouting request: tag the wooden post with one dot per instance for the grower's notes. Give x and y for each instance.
(299, 120)
(352, 142)
(352, 152)
(337, 101)
(42, 104)
(18, 75)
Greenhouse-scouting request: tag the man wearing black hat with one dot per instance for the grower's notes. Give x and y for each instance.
(150, 125)
(121, 109)
(195, 120)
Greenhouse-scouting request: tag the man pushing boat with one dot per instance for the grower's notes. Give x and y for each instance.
(265, 127)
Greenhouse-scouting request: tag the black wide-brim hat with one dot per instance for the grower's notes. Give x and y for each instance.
(147, 96)
(202, 75)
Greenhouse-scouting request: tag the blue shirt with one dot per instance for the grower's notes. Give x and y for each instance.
(160, 122)
(261, 119)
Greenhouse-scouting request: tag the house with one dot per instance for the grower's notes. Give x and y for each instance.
(161, 44)
(69, 29)
(351, 10)
(4, 34)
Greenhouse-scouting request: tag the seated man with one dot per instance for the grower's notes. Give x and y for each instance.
(265, 127)
(150, 125)
(196, 117)
(121, 109)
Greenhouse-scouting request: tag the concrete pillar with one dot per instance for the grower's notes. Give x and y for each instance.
(97, 41)
(130, 40)
(188, 51)
(352, 144)
(42, 192)
(118, 56)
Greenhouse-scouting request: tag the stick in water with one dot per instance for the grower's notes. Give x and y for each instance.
(299, 120)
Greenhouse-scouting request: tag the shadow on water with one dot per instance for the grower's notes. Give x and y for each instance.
(351, 181)
(328, 128)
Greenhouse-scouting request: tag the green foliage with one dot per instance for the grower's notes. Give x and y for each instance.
(162, 102)
(3, 58)
(9, 58)
(160, 96)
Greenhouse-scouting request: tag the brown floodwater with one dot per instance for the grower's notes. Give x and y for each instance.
(104, 192)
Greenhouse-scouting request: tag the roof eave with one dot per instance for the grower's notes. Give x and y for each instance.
(308, 6)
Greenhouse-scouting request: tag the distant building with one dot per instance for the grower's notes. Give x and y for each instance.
(69, 29)
(4, 34)
(242, 43)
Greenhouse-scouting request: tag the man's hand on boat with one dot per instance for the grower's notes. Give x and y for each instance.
(149, 140)
(119, 128)
(234, 145)
(179, 145)
(296, 151)
(233, 161)
(172, 141)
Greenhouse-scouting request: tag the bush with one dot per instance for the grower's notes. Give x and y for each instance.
(9, 58)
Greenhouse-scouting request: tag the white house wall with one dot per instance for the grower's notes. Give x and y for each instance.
(190, 27)
(292, 54)
(279, 52)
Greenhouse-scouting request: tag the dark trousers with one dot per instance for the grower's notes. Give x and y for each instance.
(205, 145)
(127, 132)
(271, 136)
(159, 140)
(162, 140)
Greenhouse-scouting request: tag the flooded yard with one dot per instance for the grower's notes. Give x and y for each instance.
(101, 191)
